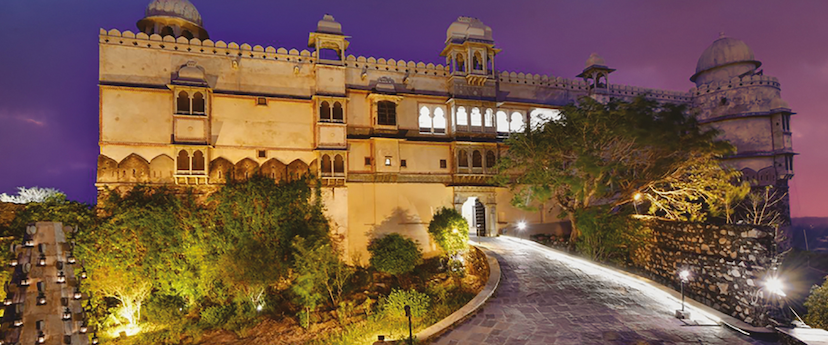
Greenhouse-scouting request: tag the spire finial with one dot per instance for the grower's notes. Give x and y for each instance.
(721, 34)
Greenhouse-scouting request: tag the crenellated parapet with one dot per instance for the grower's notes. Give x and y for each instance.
(737, 82)
(207, 47)
(391, 65)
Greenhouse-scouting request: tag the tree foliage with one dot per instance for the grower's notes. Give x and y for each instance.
(817, 304)
(449, 230)
(34, 194)
(320, 275)
(394, 254)
(599, 154)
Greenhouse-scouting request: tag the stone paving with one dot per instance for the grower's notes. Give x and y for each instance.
(544, 301)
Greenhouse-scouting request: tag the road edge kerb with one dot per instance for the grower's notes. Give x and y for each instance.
(471, 308)
(726, 320)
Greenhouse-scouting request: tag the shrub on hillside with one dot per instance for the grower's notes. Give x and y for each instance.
(394, 254)
(817, 304)
(449, 230)
(393, 306)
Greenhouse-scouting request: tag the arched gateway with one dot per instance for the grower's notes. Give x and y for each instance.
(479, 206)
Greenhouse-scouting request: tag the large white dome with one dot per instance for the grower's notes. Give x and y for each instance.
(183, 9)
(723, 52)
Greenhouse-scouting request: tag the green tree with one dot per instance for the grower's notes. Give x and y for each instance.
(704, 188)
(450, 230)
(817, 304)
(603, 154)
(394, 254)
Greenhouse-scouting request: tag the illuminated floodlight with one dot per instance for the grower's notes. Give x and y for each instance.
(259, 307)
(684, 275)
(454, 231)
(637, 196)
(775, 286)
(521, 225)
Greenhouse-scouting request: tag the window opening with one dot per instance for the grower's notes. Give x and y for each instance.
(183, 161)
(261, 101)
(462, 118)
(386, 113)
(198, 103)
(198, 161)
(325, 111)
(442, 164)
(166, 31)
(502, 122)
(462, 159)
(478, 62)
(388, 161)
(337, 112)
(367, 160)
(262, 154)
(461, 63)
(326, 165)
(476, 117)
(490, 159)
(183, 104)
(339, 165)
(425, 120)
(187, 34)
(403, 163)
(439, 121)
(477, 159)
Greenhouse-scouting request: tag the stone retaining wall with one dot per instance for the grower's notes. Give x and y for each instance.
(728, 264)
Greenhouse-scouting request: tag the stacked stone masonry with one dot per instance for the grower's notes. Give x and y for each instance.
(727, 264)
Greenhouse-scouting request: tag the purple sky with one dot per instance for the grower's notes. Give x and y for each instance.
(49, 60)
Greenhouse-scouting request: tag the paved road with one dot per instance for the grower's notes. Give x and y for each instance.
(542, 300)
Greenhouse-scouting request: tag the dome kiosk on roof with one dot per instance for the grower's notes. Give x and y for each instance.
(178, 18)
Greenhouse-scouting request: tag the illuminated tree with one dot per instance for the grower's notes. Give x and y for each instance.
(817, 304)
(449, 230)
(599, 154)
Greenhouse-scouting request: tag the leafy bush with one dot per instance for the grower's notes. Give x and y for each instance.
(320, 275)
(450, 230)
(606, 234)
(216, 316)
(817, 304)
(394, 254)
(165, 309)
(393, 306)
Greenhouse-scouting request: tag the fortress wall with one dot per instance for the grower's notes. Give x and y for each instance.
(727, 264)
(376, 209)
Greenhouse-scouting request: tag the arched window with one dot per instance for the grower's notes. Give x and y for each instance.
(462, 118)
(198, 161)
(325, 111)
(477, 159)
(439, 121)
(326, 165)
(198, 103)
(477, 62)
(339, 164)
(183, 103)
(461, 63)
(517, 122)
(489, 118)
(183, 162)
(187, 34)
(167, 31)
(502, 122)
(425, 120)
(462, 159)
(490, 159)
(337, 112)
(476, 117)
(386, 113)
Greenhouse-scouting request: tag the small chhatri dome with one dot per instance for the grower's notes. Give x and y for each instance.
(177, 18)
(183, 9)
(595, 60)
(725, 51)
(468, 28)
(329, 25)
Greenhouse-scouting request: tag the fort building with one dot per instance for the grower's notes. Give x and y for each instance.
(391, 140)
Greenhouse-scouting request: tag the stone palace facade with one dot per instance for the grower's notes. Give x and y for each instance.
(391, 140)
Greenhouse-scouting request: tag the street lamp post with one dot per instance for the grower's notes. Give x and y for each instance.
(410, 329)
(685, 277)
